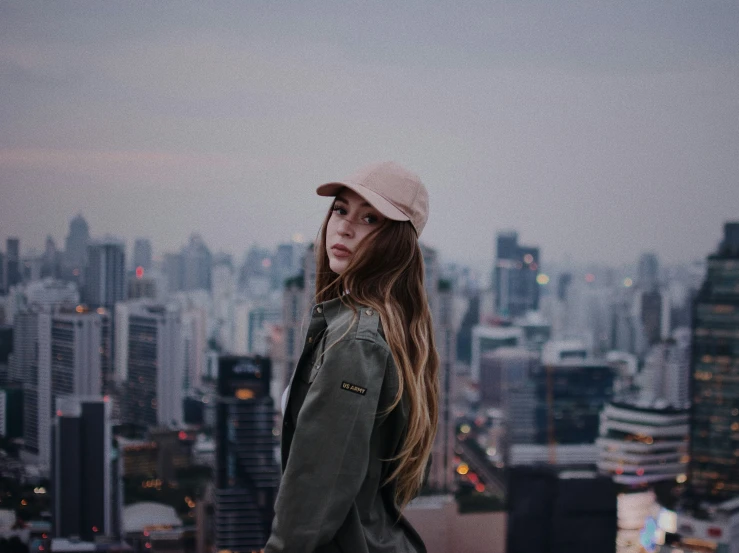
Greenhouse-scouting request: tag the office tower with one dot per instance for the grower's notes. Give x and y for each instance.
(653, 314)
(105, 276)
(75, 247)
(142, 253)
(11, 411)
(648, 278)
(3, 287)
(246, 472)
(223, 294)
(643, 443)
(514, 276)
(155, 383)
(502, 368)
(76, 345)
(6, 349)
(254, 278)
(197, 263)
(63, 353)
(286, 263)
(486, 339)
(174, 271)
(566, 398)
(12, 263)
(714, 423)
(82, 485)
(440, 296)
(666, 372)
(195, 344)
(51, 260)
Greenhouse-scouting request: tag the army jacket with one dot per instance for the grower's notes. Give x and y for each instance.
(337, 442)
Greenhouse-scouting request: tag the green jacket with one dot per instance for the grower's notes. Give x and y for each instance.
(336, 440)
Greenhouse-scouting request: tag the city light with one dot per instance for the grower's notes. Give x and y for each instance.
(590, 277)
(139, 272)
(542, 279)
(463, 469)
(465, 429)
(628, 282)
(528, 258)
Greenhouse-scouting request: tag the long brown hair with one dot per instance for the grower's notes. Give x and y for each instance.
(386, 273)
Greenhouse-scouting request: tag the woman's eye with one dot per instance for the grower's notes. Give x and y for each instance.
(369, 219)
(340, 210)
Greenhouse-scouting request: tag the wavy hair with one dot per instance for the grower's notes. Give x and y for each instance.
(386, 273)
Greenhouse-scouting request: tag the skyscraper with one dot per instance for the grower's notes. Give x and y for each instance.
(514, 276)
(142, 253)
(12, 263)
(105, 277)
(714, 423)
(75, 247)
(439, 292)
(155, 383)
(82, 488)
(246, 472)
(197, 264)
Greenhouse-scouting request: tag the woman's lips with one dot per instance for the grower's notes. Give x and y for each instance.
(341, 251)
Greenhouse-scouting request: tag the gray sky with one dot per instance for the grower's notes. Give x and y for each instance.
(597, 130)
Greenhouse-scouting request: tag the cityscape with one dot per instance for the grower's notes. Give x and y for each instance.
(580, 411)
(158, 221)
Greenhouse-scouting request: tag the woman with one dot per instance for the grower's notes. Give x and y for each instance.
(361, 411)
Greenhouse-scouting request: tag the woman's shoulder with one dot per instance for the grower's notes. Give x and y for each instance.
(353, 322)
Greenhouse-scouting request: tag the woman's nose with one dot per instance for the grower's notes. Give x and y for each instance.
(345, 227)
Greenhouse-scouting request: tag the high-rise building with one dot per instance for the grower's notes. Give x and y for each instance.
(75, 248)
(76, 346)
(247, 474)
(155, 380)
(197, 264)
(83, 490)
(514, 276)
(105, 276)
(714, 422)
(643, 443)
(12, 263)
(440, 296)
(51, 260)
(142, 253)
(174, 271)
(3, 287)
(566, 398)
(64, 353)
(648, 278)
(666, 372)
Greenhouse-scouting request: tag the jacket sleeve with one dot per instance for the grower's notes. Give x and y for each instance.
(329, 454)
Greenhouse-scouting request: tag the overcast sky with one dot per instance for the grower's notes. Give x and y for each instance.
(596, 130)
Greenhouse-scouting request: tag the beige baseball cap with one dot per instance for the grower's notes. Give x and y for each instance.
(391, 189)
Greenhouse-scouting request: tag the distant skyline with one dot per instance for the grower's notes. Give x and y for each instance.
(596, 130)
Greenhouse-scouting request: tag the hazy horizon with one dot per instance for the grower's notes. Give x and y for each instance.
(597, 131)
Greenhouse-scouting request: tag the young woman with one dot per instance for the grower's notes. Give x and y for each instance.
(361, 410)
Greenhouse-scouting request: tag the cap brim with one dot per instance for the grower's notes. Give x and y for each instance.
(373, 198)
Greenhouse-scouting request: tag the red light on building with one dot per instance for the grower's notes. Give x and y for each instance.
(182, 435)
(640, 472)
(480, 487)
(94, 528)
(139, 272)
(714, 532)
(590, 277)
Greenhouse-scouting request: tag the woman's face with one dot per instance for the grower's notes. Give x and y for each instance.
(352, 218)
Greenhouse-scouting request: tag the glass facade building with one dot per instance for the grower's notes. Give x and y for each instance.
(247, 474)
(714, 463)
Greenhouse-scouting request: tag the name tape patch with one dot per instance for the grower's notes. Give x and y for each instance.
(353, 388)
